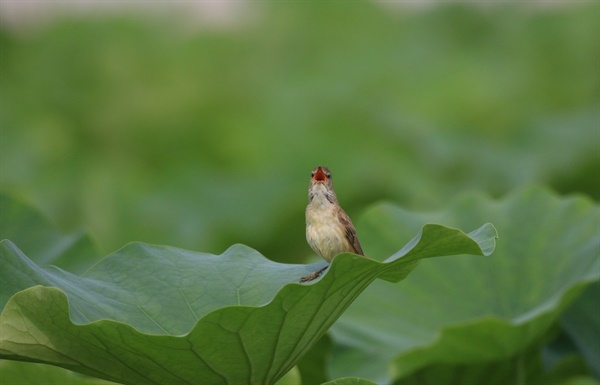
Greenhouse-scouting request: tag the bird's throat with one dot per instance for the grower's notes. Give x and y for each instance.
(319, 195)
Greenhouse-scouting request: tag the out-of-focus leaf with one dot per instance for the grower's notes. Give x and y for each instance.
(40, 241)
(522, 368)
(471, 310)
(143, 131)
(582, 323)
(570, 369)
(157, 314)
(512, 370)
(291, 378)
(313, 366)
(581, 380)
(350, 381)
(27, 373)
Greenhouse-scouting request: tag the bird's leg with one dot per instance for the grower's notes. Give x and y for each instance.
(314, 275)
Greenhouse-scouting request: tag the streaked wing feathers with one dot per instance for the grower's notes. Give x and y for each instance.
(350, 232)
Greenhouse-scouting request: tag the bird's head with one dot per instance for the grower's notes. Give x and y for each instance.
(321, 176)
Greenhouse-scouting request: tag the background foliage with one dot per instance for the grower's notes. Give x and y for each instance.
(148, 128)
(144, 130)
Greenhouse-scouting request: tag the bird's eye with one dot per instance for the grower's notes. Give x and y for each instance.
(328, 175)
(312, 174)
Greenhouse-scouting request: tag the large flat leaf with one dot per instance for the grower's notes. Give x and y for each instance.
(44, 244)
(470, 311)
(156, 314)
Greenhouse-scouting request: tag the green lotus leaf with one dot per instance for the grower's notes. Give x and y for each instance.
(27, 373)
(526, 367)
(350, 381)
(312, 367)
(582, 323)
(469, 311)
(41, 241)
(163, 315)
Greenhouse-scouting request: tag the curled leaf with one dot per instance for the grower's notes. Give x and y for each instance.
(162, 315)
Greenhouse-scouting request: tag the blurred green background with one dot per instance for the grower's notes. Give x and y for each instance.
(160, 128)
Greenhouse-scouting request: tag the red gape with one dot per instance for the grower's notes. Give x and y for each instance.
(320, 175)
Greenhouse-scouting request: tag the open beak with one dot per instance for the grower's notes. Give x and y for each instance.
(320, 176)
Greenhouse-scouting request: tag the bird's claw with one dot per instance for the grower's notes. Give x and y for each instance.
(314, 275)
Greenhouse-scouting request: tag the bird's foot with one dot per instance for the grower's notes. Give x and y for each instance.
(314, 275)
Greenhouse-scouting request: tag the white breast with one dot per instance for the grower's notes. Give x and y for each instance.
(324, 233)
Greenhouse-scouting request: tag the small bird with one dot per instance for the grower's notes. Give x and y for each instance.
(329, 230)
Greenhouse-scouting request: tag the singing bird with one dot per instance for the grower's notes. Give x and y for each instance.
(329, 230)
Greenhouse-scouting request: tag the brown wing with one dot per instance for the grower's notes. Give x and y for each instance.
(350, 232)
